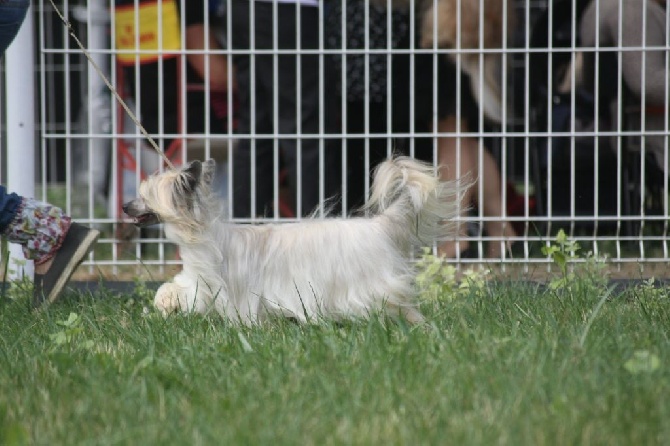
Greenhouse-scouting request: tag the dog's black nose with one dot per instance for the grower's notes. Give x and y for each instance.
(125, 208)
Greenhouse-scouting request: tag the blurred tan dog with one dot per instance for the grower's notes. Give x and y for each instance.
(440, 22)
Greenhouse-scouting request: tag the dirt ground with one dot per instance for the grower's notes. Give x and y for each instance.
(538, 272)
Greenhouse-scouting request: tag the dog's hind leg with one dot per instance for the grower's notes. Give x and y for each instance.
(411, 314)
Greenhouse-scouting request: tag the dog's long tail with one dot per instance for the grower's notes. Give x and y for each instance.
(410, 193)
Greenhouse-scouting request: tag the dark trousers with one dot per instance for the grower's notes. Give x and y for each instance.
(9, 206)
(12, 13)
(296, 87)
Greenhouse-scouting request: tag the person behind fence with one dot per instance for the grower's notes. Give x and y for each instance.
(48, 236)
(285, 70)
(459, 161)
(480, 95)
(215, 68)
(644, 72)
(374, 96)
(367, 106)
(160, 102)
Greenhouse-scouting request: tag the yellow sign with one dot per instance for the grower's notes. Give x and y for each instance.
(152, 37)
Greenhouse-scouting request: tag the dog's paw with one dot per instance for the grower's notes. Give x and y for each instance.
(167, 299)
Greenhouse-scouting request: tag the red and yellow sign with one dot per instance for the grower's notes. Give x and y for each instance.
(142, 30)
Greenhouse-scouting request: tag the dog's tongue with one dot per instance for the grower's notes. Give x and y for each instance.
(142, 219)
(145, 220)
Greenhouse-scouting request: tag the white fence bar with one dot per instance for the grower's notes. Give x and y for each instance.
(92, 159)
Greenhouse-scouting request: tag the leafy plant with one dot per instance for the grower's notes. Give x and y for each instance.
(71, 335)
(143, 295)
(642, 361)
(649, 290)
(438, 280)
(21, 287)
(562, 252)
(565, 253)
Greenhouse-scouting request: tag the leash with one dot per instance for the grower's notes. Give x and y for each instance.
(70, 29)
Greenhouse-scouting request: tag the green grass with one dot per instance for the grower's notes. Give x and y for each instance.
(508, 363)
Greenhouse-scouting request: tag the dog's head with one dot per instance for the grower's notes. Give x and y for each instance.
(179, 197)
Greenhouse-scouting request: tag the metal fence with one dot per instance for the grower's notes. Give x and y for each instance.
(557, 110)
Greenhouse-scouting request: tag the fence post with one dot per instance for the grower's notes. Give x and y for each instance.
(20, 113)
(91, 157)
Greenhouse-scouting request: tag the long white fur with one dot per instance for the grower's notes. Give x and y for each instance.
(333, 268)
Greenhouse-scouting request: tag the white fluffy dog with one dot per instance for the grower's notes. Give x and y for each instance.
(333, 268)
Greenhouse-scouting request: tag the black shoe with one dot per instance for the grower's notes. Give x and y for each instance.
(78, 242)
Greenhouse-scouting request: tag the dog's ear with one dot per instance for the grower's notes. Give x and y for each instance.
(208, 171)
(192, 174)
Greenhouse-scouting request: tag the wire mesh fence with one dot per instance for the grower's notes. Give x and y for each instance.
(558, 111)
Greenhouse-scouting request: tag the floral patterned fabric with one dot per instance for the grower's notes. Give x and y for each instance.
(40, 228)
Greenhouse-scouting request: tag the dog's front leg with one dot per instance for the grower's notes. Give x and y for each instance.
(168, 297)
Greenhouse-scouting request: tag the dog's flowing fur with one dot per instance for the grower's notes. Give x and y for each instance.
(334, 268)
(439, 25)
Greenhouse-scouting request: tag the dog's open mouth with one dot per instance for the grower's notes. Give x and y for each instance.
(146, 219)
(142, 216)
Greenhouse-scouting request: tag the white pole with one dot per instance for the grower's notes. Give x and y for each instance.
(94, 159)
(20, 113)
